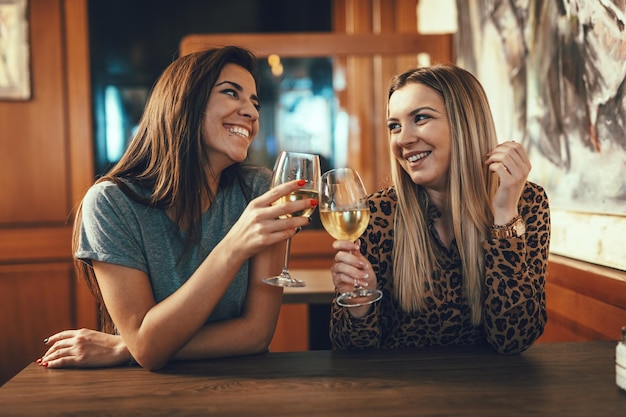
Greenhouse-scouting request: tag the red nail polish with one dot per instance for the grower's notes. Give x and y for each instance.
(39, 360)
(301, 182)
(314, 203)
(45, 364)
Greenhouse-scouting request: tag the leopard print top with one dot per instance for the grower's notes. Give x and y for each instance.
(514, 311)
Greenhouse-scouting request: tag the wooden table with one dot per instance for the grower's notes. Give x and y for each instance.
(550, 379)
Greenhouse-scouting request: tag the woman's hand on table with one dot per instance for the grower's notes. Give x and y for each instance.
(84, 348)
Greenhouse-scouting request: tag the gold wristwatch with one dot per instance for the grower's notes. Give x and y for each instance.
(514, 228)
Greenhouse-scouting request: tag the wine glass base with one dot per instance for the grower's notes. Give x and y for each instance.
(359, 297)
(282, 281)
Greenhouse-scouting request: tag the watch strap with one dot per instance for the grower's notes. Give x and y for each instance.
(514, 228)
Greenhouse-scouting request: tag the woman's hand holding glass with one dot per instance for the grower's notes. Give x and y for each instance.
(352, 272)
(305, 168)
(264, 223)
(345, 213)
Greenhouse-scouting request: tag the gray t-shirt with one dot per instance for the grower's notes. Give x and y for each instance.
(118, 230)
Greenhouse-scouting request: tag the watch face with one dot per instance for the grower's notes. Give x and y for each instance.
(520, 227)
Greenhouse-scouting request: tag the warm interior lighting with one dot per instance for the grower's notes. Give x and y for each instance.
(436, 17)
(423, 59)
(275, 65)
(277, 70)
(273, 60)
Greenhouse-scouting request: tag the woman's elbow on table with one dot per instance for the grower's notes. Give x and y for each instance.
(150, 359)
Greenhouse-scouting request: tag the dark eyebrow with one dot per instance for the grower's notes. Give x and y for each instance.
(238, 88)
(413, 112)
(420, 109)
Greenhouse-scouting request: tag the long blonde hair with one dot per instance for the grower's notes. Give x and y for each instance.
(471, 188)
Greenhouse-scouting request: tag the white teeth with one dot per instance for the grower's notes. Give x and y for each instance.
(417, 157)
(239, 131)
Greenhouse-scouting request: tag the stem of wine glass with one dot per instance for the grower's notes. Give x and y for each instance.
(286, 261)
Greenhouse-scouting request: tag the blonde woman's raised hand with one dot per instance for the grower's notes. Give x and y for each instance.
(511, 164)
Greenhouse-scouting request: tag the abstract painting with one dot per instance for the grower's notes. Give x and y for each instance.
(14, 51)
(555, 74)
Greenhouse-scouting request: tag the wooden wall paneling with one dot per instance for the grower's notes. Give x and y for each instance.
(45, 164)
(562, 329)
(34, 244)
(316, 44)
(311, 249)
(80, 133)
(390, 18)
(580, 276)
(575, 314)
(360, 98)
(359, 105)
(292, 332)
(32, 153)
(80, 124)
(339, 16)
(584, 301)
(35, 302)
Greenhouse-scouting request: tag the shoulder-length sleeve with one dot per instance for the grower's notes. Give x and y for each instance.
(514, 313)
(110, 231)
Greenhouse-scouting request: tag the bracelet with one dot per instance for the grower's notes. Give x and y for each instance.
(506, 226)
(515, 228)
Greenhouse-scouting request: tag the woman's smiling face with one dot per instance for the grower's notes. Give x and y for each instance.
(419, 134)
(231, 118)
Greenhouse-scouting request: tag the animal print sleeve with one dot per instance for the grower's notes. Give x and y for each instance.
(514, 312)
(347, 332)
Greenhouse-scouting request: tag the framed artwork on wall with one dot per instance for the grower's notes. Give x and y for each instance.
(14, 50)
(556, 80)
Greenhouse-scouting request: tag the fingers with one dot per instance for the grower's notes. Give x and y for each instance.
(59, 348)
(351, 269)
(84, 348)
(275, 193)
(267, 220)
(345, 245)
(66, 334)
(58, 358)
(281, 202)
(57, 342)
(510, 161)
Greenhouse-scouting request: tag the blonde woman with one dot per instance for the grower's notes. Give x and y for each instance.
(459, 243)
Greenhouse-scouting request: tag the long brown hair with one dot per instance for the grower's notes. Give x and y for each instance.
(167, 155)
(471, 188)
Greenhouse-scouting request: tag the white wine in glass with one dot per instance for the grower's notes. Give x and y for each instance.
(295, 166)
(345, 214)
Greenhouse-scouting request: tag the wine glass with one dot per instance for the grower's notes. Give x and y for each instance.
(295, 166)
(345, 213)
